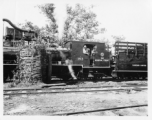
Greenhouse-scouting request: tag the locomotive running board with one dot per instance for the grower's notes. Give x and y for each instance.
(128, 71)
(67, 65)
(97, 67)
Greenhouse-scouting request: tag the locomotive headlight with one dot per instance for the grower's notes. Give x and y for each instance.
(102, 54)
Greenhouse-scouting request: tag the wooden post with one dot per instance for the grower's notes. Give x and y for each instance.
(19, 67)
(115, 47)
(13, 37)
(3, 31)
(144, 49)
(118, 49)
(127, 48)
(49, 67)
(136, 50)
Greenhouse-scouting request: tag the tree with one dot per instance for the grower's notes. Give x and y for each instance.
(52, 28)
(118, 38)
(30, 26)
(80, 24)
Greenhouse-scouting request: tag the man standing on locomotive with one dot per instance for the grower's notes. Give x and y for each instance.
(85, 50)
(93, 53)
(86, 55)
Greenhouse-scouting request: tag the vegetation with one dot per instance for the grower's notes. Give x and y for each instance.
(80, 24)
(50, 30)
(119, 38)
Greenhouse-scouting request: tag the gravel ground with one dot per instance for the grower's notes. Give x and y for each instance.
(83, 84)
(49, 104)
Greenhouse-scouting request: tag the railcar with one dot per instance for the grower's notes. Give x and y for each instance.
(130, 60)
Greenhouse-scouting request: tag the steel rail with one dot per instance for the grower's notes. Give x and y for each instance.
(19, 89)
(99, 110)
(73, 91)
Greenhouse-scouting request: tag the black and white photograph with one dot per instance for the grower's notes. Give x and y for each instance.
(76, 57)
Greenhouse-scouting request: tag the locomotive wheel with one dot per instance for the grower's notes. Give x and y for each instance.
(123, 78)
(65, 78)
(144, 78)
(135, 78)
(114, 78)
(82, 78)
(130, 77)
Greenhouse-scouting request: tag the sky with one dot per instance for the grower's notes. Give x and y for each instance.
(129, 18)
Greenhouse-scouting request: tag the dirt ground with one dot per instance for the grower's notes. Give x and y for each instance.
(82, 84)
(49, 104)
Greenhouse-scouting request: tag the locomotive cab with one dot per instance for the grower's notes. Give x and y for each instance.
(92, 56)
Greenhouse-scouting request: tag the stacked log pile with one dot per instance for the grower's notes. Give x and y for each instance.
(36, 68)
(30, 65)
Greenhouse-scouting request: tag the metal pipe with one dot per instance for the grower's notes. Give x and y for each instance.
(14, 26)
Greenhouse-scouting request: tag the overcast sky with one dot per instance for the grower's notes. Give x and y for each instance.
(130, 18)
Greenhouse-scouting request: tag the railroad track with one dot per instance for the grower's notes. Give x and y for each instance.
(98, 110)
(53, 90)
